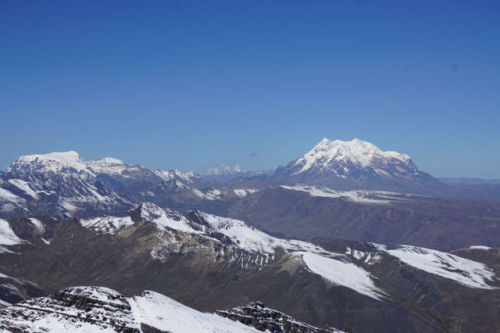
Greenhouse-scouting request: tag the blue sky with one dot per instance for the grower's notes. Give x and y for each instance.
(193, 84)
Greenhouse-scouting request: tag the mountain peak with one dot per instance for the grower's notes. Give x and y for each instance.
(49, 162)
(67, 156)
(355, 164)
(356, 151)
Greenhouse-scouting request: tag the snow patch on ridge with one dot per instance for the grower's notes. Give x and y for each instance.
(213, 194)
(24, 186)
(253, 240)
(37, 224)
(9, 196)
(243, 192)
(7, 235)
(168, 175)
(479, 247)
(107, 224)
(165, 218)
(464, 271)
(361, 196)
(342, 273)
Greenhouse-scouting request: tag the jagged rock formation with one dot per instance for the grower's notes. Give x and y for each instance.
(265, 319)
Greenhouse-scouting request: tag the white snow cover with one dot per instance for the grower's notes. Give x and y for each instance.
(3, 303)
(213, 194)
(254, 240)
(248, 238)
(356, 151)
(55, 162)
(164, 313)
(243, 192)
(38, 225)
(58, 161)
(101, 294)
(479, 247)
(9, 196)
(107, 224)
(186, 177)
(7, 235)
(362, 196)
(45, 314)
(342, 273)
(52, 162)
(370, 258)
(24, 186)
(165, 218)
(464, 271)
(52, 323)
(332, 266)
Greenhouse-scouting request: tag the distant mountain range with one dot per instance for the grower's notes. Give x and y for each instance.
(315, 240)
(337, 188)
(65, 185)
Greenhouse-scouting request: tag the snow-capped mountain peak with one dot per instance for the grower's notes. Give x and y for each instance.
(48, 162)
(66, 161)
(358, 152)
(355, 164)
(75, 186)
(67, 156)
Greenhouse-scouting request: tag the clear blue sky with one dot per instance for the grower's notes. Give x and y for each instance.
(193, 84)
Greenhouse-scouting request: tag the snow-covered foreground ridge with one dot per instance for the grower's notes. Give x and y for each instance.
(99, 309)
(344, 269)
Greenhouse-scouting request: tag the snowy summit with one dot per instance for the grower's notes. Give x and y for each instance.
(354, 164)
(357, 152)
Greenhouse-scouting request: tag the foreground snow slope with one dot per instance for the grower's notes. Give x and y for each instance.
(166, 314)
(99, 310)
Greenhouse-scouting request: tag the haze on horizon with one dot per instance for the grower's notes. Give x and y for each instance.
(193, 85)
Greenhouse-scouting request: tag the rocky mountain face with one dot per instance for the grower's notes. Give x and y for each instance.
(356, 164)
(64, 185)
(99, 309)
(211, 263)
(265, 319)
